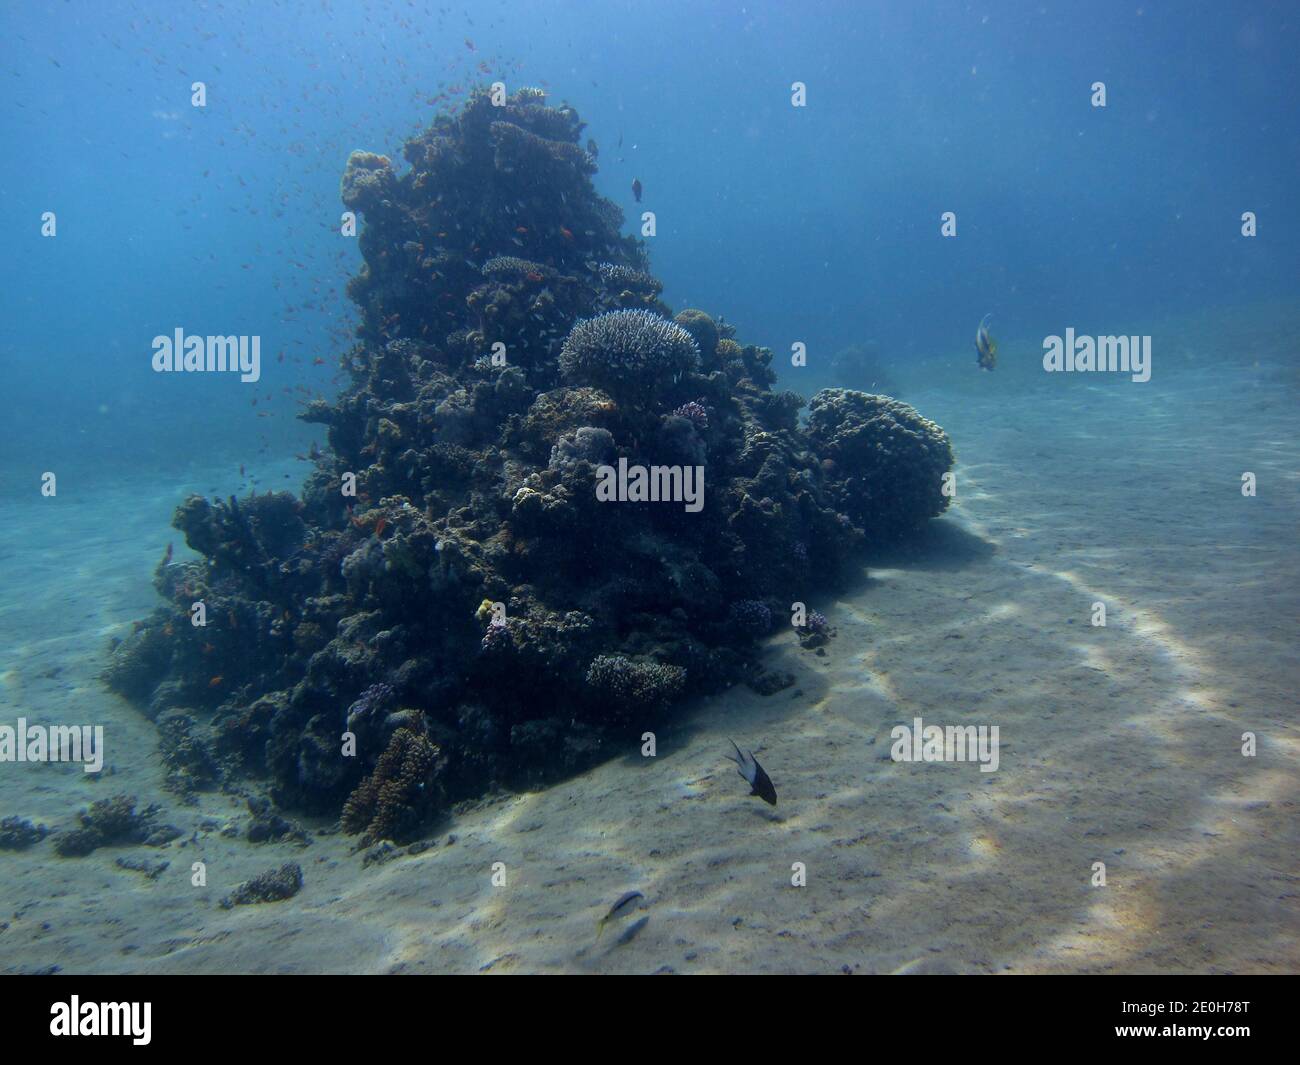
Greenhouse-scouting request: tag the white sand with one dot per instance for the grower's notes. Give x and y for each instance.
(1119, 744)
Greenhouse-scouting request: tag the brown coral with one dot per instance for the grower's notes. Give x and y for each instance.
(395, 797)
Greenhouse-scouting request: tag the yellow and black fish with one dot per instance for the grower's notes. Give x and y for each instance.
(628, 902)
(986, 348)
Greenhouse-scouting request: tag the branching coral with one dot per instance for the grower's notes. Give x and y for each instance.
(630, 354)
(392, 800)
(624, 686)
(113, 821)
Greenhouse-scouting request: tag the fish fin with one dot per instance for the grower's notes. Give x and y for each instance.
(746, 766)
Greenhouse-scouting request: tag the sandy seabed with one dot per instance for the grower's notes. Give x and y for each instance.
(1120, 744)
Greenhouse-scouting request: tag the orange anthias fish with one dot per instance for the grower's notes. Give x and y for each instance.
(986, 348)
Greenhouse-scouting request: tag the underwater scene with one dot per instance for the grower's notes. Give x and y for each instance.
(687, 487)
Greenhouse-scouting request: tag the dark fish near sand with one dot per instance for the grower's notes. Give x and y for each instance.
(759, 782)
(636, 189)
(627, 903)
(986, 348)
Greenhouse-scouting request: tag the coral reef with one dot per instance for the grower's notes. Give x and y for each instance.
(151, 870)
(751, 615)
(860, 367)
(816, 631)
(703, 331)
(17, 834)
(448, 594)
(632, 355)
(275, 885)
(883, 463)
(187, 754)
(267, 826)
(623, 685)
(769, 682)
(393, 800)
(114, 821)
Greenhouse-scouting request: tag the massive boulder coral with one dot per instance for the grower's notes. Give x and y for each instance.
(862, 367)
(449, 606)
(367, 179)
(883, 462)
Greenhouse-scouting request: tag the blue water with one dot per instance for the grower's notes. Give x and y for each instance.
(818, 224)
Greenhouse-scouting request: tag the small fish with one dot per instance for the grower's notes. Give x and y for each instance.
(627, 903)
(215, 682)
(986, 348)
(566, 233)
(759, 781)
(636, 189)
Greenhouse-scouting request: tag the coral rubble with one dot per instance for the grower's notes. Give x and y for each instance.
(275, 885)
(18, 834)
(111, 822)
(449, 607)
